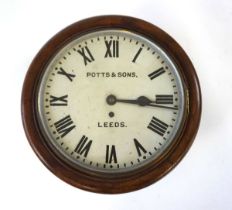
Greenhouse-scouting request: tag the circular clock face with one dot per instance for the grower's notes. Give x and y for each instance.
(111, 104)
(111, 101)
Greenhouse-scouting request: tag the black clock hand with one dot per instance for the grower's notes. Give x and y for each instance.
(141, 101)
(160, 106)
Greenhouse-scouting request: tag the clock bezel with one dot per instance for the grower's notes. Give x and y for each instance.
(108, 182)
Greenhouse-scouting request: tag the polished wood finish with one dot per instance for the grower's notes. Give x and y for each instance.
(118, 182)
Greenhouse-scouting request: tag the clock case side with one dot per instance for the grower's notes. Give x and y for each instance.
(111, 183)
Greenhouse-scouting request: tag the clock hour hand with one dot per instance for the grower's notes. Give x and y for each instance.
(141, 101)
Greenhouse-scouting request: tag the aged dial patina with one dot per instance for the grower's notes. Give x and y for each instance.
(111, 104)
(111, 100)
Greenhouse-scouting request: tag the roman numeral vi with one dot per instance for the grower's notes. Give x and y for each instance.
(64, 125)
(111, 154)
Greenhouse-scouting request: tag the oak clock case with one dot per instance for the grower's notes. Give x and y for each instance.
(111, 104)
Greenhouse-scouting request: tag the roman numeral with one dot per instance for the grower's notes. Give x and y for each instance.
(83, 146)
(140, 149)
(86, 54)
(112, 48)
(64, 125)
(164, 99)
(157, 126)
(156, 73)
(137, 55)
(68, 75)
(111, 154)
(58, 101)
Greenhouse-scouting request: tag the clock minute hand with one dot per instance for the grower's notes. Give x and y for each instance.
(141, 101)
(160, 106)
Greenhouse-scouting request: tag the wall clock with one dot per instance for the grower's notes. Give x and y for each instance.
(111, 104)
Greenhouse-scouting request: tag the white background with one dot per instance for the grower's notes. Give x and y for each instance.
(203, 180)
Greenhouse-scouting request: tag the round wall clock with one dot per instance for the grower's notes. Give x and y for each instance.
(111, 104)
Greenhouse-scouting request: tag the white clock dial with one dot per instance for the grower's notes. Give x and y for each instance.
(111, 101)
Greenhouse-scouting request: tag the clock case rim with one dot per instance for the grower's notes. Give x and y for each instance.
(112, 182)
